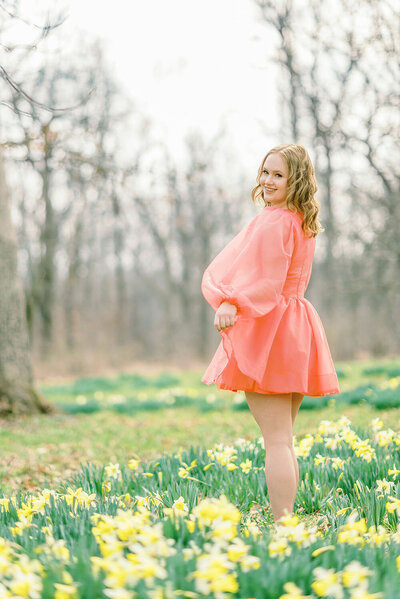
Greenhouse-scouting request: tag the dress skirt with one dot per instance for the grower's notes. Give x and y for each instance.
(232, 379)
(291, 343)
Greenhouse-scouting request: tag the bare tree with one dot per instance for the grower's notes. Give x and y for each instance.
(183, 223)
(17, 392)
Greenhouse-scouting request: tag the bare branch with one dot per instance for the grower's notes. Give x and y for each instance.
(16, 87)
(45, 28)
(14, 109)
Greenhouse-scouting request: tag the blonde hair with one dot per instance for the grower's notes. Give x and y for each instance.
(301, 186)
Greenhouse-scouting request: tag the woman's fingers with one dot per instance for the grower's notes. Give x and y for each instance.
(223, 322)
(225, 316)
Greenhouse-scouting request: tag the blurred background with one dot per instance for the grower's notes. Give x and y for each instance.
(131, 134)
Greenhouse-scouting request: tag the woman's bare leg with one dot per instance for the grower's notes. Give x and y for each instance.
(273, 414)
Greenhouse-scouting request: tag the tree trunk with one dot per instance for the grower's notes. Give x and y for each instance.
(46, 270)
(17, 392)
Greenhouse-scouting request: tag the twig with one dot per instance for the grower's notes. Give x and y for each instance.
(20, 91)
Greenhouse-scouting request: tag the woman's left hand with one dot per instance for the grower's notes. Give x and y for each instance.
(225, 316)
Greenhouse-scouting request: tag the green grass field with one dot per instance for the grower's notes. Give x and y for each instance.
(155, 488)
(41, 450)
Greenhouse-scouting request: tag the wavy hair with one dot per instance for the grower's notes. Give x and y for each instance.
(301, 186)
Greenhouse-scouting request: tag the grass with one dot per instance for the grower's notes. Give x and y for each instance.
(170, 425)
(109, 527)
(42, 450)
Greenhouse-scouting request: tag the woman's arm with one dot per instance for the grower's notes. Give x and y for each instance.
(251, 270)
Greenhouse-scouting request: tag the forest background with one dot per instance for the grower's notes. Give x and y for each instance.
(130, 142)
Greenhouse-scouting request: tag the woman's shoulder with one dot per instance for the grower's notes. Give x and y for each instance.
(281, 211)
(275, 223)
(284, 216)
(286, 219)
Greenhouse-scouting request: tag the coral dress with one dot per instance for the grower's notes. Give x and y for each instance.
(277, 343)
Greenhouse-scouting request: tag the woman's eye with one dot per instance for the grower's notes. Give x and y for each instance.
(277, 174)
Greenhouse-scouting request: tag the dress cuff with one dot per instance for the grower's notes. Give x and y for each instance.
(231, 300)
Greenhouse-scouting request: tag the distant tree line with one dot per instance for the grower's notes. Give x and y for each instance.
(114, 236)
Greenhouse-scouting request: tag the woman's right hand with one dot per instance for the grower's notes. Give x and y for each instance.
(225, 316)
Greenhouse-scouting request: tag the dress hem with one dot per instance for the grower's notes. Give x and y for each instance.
(270, 392)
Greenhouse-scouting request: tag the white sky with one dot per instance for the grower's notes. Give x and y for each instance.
(190, 64)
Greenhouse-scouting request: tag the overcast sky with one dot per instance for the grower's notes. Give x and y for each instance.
(190, 64)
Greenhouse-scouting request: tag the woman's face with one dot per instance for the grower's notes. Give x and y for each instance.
(273, 180)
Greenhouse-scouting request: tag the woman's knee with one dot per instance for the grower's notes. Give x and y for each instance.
(279, 439)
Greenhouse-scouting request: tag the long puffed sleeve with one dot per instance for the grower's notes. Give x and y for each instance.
(251, 269)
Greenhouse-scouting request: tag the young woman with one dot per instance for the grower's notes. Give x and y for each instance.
(273, 344)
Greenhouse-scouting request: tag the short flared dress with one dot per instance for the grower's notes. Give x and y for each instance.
(277, 343)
